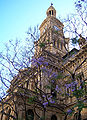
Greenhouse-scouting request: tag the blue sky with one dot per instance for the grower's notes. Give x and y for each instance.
(16, 16)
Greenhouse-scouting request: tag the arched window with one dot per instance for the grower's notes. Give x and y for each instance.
(53, 117)
(61, 45)
(50, 12)
(54, 43)
(30, 115)
(57, 44)
(75, 116)
(8, 114)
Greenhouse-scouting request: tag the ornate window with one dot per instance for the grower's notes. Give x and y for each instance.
(53, 117)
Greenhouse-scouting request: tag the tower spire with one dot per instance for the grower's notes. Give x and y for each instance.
(51, 12)
(51, 4)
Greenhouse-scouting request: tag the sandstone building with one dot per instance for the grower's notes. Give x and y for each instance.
(52, 47)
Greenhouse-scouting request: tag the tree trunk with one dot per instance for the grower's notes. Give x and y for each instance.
(65, 118)
(44, 110)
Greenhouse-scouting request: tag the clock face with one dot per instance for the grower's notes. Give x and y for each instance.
(56, 28)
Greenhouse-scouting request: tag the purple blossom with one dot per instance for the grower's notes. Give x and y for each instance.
(43, 69)
(44, 96)
(85, 101)
(73, 89)
(69, 111)
(72, 84)
(67, 94)
(56, 88)
(45, 103)
(41, 59)
(52, 92)
(79, 5)
(48, 72)
(75, 82)
(52, 101)
(52, 81)
(54, 75)
(40, 99)
(38, 61)
(34, 59)
(49, 97)
(67, 85)
(80, 87)
(46, 63)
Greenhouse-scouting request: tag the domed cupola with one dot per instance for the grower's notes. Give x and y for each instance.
(51, 34)
(51, 11)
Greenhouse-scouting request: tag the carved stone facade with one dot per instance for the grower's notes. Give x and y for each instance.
(52, 45)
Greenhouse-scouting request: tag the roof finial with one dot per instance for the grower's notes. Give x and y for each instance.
(51, 4)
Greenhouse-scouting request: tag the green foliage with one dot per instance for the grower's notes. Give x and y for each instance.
(31, 100)
(42, 45)
(72, 52)
(75, 40)
(78, 93)
(42, 118)
(48, 40)
(60, 76)
(72, 112)
(85, 83)
(21, 90)
(80, 105)
(56, 31)
(48, 86)
(30, 117)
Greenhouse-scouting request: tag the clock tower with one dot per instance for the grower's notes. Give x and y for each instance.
(51, 35)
